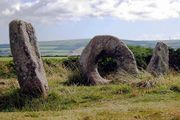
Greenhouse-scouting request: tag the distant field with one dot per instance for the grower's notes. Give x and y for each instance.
(5, 58)
(65, 47)
(10, 58)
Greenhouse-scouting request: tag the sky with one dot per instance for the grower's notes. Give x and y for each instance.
(76, 19)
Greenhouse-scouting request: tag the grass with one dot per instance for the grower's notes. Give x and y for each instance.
(5, 59)
(118, 101)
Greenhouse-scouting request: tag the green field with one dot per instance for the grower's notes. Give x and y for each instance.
(5, 58)
(116, 101)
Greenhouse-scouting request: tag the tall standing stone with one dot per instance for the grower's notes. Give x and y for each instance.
(106, 45)
(27, 59)
(159, 63)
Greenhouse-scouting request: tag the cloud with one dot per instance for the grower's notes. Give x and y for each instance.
(50, 11)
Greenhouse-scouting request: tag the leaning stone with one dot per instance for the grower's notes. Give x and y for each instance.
(159, 63)
(27, 59)
(101, 46)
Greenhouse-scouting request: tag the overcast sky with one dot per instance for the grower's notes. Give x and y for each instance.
(74, 19)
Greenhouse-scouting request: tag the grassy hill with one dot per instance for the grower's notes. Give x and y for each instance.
(64, 47)
(116, 101)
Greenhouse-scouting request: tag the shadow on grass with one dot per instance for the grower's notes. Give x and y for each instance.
(17, 101)
(175, 88)
(12, 100)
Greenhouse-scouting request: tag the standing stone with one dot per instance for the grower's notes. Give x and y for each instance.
(27, 59)
(159, 63)
(101, 46)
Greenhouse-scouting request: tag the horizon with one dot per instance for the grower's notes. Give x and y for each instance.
(123, 19)
(91, 38)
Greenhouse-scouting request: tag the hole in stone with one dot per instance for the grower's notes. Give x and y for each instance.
(106, 65)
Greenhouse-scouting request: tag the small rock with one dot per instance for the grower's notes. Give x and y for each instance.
(2, 83)
(146, 84)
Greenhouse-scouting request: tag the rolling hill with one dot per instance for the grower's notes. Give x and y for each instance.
(66, 47)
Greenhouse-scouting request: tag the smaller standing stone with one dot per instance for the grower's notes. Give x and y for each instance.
(159, 63)
(27, 59)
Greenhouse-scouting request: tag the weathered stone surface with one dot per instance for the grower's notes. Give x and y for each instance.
(110, 46)
(159, 63)
(27, 59)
